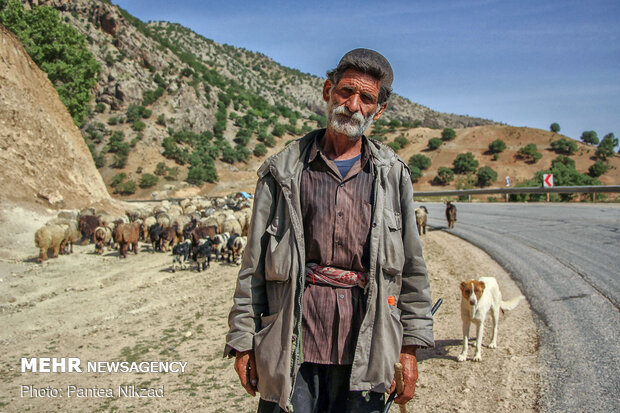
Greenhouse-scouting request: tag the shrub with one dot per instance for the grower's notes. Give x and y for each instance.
(148, 180)
(564, 146)
(278, 130)
(260, 149)
(597, 169)
(530, 153)
(112, 120)
(434, 143)
(555, 127)
(402, 141)
(161, 120)
(99, 108)
(415, 173)
(497, 146)
(126, 188)
(419, 161)
(444, 176)
(486, 175)
(160, 169)
(139, 125)
(394, 145)
(448, 134)
(118, 179)
(464, 163)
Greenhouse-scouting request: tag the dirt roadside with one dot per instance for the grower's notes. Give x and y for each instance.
(102, 308)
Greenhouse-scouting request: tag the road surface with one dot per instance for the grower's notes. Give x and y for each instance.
(566, 260)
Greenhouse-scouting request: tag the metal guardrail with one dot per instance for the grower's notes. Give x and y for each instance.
(525, 190)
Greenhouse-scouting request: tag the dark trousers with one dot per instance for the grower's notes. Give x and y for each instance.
(323, 388)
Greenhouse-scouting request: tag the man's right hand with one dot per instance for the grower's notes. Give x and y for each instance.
(245, 366)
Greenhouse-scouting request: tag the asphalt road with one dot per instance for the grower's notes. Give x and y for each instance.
(566, 260)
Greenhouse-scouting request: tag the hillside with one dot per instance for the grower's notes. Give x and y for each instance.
(161, 80)
(176, 114)
(45, 161)
(477, 139)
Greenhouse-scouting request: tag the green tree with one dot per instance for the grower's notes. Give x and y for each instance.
(58, 49)
(555, 127)
(415, 173)
(448, 134)
(464, 163)
(118, 179)
(127, 188)
(260, 149)
(597, 169)
(606, 147)
(497, 146)
(530, 153)
(148, 180)
(564, 146)
(434, 143)
(444, 176)
(486, 176)
(419, 161)
(402, 141)
(161, 169)
(590, 137)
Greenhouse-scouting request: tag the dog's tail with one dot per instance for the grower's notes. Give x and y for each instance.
(512, 303)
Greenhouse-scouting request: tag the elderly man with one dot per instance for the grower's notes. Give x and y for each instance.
(333, 289)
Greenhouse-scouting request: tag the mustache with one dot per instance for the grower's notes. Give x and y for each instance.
(342, 110)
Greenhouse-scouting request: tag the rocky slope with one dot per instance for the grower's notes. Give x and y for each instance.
(44, 158)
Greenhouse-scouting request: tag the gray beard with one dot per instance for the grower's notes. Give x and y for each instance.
(353, 125)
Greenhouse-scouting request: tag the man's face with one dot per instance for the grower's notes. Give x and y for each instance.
(352, 105)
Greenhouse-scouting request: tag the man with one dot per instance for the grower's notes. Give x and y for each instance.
(333, 289)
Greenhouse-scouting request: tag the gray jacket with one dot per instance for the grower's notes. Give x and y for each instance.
(266, 314)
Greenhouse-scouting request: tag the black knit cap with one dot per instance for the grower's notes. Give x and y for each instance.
(373, 62)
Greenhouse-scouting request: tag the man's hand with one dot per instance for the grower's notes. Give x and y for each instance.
(410, 374)
(245, 366)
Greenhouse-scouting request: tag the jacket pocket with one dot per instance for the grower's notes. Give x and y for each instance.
(280, 259)
(393, 249)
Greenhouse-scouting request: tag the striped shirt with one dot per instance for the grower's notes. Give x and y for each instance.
(337, 218)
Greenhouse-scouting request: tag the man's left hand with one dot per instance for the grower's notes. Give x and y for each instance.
(410, 374)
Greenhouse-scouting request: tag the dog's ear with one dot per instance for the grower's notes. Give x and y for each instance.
(463, 285)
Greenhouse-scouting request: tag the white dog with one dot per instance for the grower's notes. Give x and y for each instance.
(477, 298)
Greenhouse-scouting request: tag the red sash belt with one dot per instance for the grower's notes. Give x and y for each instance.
(336, 277)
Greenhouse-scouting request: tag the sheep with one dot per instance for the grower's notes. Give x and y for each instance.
(238, 247)
(420, 219)
(231, 225)
(49, 237)
(450, 214)
(103, 236)
(125, 234)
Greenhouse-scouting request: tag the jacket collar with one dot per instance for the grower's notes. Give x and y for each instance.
(286, 163)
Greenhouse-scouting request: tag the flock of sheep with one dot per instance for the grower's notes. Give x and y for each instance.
(192, 228)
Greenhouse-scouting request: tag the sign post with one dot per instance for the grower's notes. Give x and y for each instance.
(548, 182)
(507, 185)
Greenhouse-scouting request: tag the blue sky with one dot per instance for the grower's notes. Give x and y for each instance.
(524, 63)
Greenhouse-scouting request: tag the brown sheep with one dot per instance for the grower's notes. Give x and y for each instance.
(168, 238)
(450, 214)
(125, 234)
(87, 224)
(49, 237)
